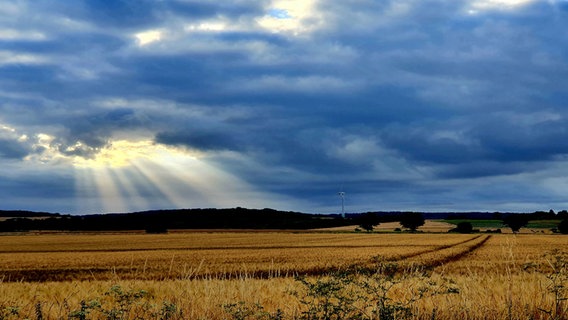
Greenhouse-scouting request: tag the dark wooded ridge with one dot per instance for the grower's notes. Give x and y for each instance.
(211, 218)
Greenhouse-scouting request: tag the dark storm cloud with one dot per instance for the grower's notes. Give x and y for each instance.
(200, 140)
(407, 100)
(93, 130)
(12, 149)
(34, 186)
(483, 145)
(204, 9)
(121, 13)
(511, 141)
(134, 14)
(26, 189)
(26, 78)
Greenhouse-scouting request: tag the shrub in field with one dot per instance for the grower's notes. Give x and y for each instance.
(368, 221)
(516, 221)
(412, 220)
(563, 226)
(463, 227)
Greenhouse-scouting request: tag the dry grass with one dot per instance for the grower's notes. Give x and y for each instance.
(190, 255)
(485, 297)
(499, 276)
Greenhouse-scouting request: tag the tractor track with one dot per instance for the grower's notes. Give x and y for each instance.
(460, 255)
(445, 259)
(66, 274)
(223, 248)
(438, 248)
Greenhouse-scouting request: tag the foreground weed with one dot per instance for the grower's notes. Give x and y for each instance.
(243, 311)
(38, 311)
(557, 286)
(380, 285)
(169, 311)
(332, 297)
(116, 304)
(85, 309)
(134, 304)
(124, 303)
(9, 312)
(359, 293)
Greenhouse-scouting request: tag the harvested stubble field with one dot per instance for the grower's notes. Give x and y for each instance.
(251, 275)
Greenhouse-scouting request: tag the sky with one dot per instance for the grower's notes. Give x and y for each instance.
(419, 105)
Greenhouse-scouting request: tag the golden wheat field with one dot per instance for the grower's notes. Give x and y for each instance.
(283, 275)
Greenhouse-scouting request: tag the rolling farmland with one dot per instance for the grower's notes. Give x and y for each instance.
(495, 276)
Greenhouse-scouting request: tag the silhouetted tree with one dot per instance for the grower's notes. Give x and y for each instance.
(543, 215)
(412, 220)
(464, 227)
(516, 221)
(368, 221)
(563, 226)
(497, 215)
(157, 227)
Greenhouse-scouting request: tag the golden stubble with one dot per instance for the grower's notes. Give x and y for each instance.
(499, 276)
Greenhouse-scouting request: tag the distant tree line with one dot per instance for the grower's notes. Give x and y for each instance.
(157, 221)
(161, 220)
(537, 215)
(518, 221)
(408, 220)
(29, 214)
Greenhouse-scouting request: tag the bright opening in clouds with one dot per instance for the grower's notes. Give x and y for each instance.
(431, 105)
(296, 16)
(500, 4)
(147, 37)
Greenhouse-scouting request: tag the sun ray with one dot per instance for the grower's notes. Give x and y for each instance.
(148, 189)
(108, 191)
(213, 184)
(160, 181)
(129, 190)
(87, 200)
(142, 175)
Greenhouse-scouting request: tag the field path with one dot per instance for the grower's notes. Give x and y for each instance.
(462, 254)
(448, 254)
(437, 249)
(219, 255)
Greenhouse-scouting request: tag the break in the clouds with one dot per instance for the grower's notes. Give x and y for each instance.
(430, 105)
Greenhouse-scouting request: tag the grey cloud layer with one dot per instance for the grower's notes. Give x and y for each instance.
(405, 99)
